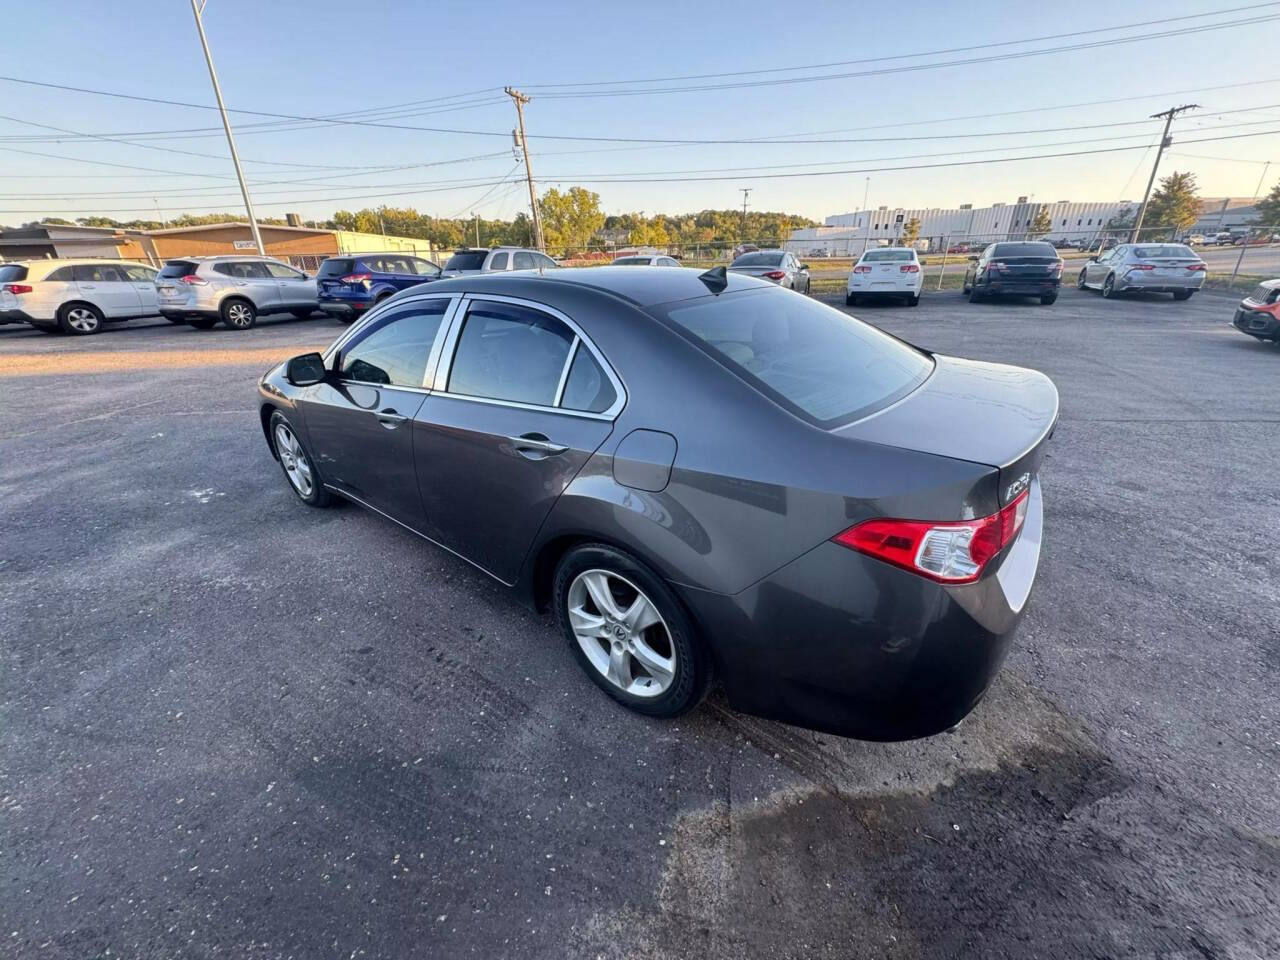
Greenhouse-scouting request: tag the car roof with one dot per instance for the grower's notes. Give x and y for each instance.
(225, 256)
(65, 261)
(644, 288)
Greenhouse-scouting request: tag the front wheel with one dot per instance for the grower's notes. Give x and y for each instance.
(302, 314)
(629, 632)
(1182, 294)
(239, 314)
(296, 463)
(1080, 281)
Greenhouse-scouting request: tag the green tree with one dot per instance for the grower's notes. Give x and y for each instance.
(1041, 225)
(911, 231)
(570, 219)
(1175, 206)
(1269, 209)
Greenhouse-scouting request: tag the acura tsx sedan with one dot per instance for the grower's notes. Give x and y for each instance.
(699, 475)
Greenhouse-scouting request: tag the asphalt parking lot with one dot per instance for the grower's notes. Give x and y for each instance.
(231, 726)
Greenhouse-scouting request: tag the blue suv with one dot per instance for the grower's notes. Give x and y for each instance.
(348, 286)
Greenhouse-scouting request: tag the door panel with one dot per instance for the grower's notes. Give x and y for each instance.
(144, 282)
(483, 497)
(106, 286)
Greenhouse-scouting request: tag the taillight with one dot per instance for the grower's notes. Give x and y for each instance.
(774, 275)
(946, 552)
(357, 278)
(192, 280)
(909, 268)
(17, 288)
(1057, 268)
(996, 266)
(861, 268)
(1141, 266)
(1196, 266)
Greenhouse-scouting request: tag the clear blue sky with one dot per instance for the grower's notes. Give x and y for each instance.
(321, 57)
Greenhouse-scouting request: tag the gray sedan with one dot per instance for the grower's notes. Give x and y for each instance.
(776, 266)
(696, 474)
(1153, 267)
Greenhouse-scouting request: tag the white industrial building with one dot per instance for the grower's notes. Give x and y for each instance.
(844, 234)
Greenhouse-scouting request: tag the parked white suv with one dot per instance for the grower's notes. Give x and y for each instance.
(76, 296)
(236, 290)
(483, 260)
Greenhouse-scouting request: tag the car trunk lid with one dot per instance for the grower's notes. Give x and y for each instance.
(987, 413)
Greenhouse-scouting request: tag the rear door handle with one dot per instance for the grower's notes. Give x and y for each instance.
(390, 419)
(536, 441)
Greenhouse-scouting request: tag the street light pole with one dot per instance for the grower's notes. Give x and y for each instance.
(1167, 116)
(197, 8)
(1257, 194)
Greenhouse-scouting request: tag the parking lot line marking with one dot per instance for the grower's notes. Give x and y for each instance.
(115, 361)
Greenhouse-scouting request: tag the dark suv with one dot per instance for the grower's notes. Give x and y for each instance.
(348, 286)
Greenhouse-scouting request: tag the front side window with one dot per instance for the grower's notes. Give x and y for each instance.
(543, 261)
(522, 261)
(97, 273)
(423, 268)
(281, 272)
(808, 357)
(395, 350)
(510, 352)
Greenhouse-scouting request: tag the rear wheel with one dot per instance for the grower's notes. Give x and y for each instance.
(178, 321)
(974, 296)
(1048, 298)
(80, 319)
(913, 300)
(239, 314)
(850, 299)
(1182, 294)
(1109, 286)
(629, 632)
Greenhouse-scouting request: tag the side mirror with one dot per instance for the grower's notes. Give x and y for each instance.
(804, 267)
(1093, 259)
(305, 370)
(973, 257)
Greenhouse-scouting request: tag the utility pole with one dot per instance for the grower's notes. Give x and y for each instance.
(1257, 195)
(742, 238)
(866, 228)
(1167, 116)
(197, 8)
(477, 216)
(382, 227)
(520, 100)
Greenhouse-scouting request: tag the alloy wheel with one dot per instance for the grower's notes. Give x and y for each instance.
(622, 633)
(294, 460)
(239, 315)
(82, 320)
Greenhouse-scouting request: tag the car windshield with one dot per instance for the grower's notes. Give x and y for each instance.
(887, 256)
(1025, 250)
(467, 260)
(10, 272)
(335, 268)
(632, 262)
(758, 260)
(1163, 250)
(809, 357)
(177, 268)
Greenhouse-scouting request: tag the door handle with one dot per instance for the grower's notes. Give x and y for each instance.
(241, 283)
(537, 442)
(390, 419)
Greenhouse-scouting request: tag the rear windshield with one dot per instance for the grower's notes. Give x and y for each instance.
(808, 357)
(1163, 250)
(467, 260)
(10, 272)
(335, 268)
(893, 256)
(1025, 250)
(177, 268)
(632, 261)
(758, 260)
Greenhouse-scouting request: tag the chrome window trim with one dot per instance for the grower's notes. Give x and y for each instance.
(564, 373)
(433, 358)
(450, 346)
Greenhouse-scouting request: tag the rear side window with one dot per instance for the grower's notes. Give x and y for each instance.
(395, 350)
(588, 388)
(336, 268)
(61, 275)
(9, 272)
(510, 352)
(632, 262)
(1025, 250)
(177, 268)
(242, 269)
(467, 260)
(889, 256)
(808, 357)
(499, 262)
(97, 273)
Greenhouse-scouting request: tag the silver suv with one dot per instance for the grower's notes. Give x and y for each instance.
(236, 290)
(484, 260)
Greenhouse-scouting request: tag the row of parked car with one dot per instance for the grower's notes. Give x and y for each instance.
(82, 296)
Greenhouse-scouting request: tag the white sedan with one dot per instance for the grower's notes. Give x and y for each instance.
(886, 272)
(645, 260)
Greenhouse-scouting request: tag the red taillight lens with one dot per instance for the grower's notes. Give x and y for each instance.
(1057, 268)
(861, 268)
(192, 280)
(17, 288)
(357, 278)
(1196, 266)
(909, 268)
(1142, 266)
(995, 266)
(945, 552)
(774, 275)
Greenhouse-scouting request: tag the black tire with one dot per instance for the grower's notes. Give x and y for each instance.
(974, 296)
(179, 321)
(317, 495)
(1109, 286)
(1182, 294)
(1048, 298)
(238, 313)
(692, 665)
(80, 319)
(965, 288)
(913, 300)
(850, 299)
(1080, 281)
(47, 327)
(203, 323)
(302, 314)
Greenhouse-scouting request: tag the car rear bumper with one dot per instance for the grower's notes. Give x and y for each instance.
(344, 308)
(885, 288)
(840, 642)
(16, 316)
(182, 313)
(1021, 288)
(1257, 323)
(1138, 281)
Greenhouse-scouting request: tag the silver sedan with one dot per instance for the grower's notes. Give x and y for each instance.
(1153, 267)
(778, 266)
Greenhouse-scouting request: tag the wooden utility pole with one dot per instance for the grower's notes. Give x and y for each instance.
(742, 238)
(520, 100)
(1167, 116)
